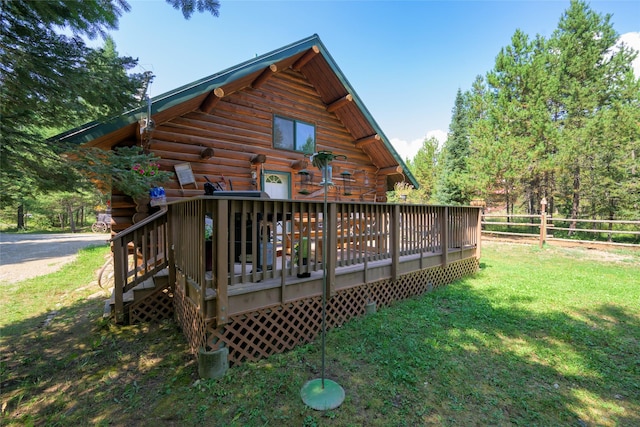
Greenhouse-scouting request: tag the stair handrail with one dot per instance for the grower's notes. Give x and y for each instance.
(148, 258)
(140, 224)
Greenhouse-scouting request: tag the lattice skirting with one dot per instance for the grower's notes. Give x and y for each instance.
(188, 317)
(276, 329)
(153, 308)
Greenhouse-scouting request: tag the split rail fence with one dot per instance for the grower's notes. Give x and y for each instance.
(547, 228)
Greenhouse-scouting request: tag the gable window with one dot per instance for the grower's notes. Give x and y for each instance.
(290, 134)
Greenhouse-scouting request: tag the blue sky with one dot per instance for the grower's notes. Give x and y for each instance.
(405, 59)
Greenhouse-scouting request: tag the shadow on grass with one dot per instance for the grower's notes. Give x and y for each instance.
(455, 357)
(71, 366)
(461, 355)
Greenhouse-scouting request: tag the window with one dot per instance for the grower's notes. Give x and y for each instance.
(273, 179)
(293, 135)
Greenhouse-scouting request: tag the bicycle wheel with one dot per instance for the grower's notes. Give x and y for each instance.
(105, 274)
(99, 227)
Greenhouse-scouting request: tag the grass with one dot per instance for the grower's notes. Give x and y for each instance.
(25, 302)
(538, 337)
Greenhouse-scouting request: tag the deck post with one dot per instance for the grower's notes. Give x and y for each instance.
(222, 261)
(169, 246)
(395, 241)
(444, 236)
(119, 278)
(479, 234)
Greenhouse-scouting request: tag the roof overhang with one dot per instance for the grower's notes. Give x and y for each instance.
(309, 56)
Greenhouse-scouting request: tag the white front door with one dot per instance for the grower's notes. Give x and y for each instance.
(276, 185)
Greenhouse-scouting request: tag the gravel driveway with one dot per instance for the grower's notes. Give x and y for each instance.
(23, 256)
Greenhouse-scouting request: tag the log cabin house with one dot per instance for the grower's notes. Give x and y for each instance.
(254, 288)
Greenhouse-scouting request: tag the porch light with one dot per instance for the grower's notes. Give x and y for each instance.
(305, 181)
(346, 182)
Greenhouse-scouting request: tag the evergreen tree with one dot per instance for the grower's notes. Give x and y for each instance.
(452, 183)
(47, 83)
(424, 167)
(189, 6)
(520, 123)
(591, 75)
(51, 80)
(558, 119)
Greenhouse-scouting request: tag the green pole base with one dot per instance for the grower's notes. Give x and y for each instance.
(322, 399)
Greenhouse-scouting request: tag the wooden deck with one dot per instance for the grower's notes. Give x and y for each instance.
(261, 293)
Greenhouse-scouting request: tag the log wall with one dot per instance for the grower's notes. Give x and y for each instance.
(239, 127)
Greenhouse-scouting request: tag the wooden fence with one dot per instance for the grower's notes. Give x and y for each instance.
(546, 228)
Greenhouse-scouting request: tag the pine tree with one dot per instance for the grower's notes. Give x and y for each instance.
(424, 167)
(51, 80)
(558, 119)
(452, 184)
(590, 76)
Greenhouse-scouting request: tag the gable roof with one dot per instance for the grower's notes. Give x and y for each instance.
(309, 56)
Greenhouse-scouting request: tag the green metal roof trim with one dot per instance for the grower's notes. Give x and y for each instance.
(365, 111)
(97, 129)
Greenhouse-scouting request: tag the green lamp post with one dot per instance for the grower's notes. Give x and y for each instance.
(323, 394)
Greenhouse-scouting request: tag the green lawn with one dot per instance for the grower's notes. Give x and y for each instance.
(544, 337)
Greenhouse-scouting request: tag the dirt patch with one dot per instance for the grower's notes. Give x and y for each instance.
(580, 250)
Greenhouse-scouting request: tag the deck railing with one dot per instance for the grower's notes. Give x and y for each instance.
(255, 241)
(139, 253)
(274, 243)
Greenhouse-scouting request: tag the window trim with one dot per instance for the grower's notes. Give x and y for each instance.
(295, 131)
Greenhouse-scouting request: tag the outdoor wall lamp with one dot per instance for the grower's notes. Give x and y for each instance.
(305, 181)
(346, 182)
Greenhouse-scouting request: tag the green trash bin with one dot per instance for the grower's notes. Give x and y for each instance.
(304, 252)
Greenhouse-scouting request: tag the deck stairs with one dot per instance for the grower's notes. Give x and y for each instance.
(148, 300)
